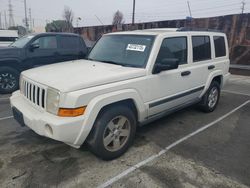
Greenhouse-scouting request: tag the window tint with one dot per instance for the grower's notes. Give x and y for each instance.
(48, 42)
(173, 48)
(201, 48)
(68, 42)
(220, 47)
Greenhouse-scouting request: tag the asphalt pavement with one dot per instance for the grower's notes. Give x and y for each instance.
(186, 149)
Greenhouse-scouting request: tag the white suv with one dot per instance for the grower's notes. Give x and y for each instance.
(130, 78)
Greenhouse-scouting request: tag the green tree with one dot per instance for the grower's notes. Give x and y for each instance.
(57, 26)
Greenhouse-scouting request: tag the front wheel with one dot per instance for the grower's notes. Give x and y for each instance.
(211, 98)
(9, 80)
(113, 132)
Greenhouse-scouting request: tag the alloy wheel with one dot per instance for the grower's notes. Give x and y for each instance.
(116, 133)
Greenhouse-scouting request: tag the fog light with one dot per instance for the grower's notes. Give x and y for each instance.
(48, 130)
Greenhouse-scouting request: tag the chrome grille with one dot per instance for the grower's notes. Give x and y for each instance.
(33, 93)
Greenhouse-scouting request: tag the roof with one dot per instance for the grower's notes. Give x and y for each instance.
(158, 31)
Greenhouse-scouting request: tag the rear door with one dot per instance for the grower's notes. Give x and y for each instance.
(46, 53)
(69, 48)
(201, 59)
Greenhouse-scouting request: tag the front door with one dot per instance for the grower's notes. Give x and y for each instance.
(172, 88)
(46, 51)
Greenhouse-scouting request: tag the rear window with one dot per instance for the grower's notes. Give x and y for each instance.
(69, 42)
(220, 46)
(201, 48)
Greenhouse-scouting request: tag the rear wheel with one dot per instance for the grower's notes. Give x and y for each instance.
(9, 80)
(113, 132)
(211, 98)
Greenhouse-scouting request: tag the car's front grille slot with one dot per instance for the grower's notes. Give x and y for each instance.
(37, 96)
(34, 93)
(43, 97)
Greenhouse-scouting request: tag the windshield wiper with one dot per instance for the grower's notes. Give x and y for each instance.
(90, 59)
(110, 62)
(114, 63)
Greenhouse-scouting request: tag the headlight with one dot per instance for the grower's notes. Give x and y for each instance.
(52, 103)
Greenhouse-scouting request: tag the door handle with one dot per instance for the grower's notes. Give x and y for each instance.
(211, 67)
(185, 73)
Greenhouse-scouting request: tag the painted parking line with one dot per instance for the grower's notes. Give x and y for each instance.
(235, 92)
(153, 157)
(4, 118)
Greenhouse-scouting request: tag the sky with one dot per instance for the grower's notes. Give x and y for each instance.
(43, 11)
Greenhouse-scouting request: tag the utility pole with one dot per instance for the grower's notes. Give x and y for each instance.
(11, 18)
(30, 19)
(26, 18)
(1, 20)
(190, 13)
(5, 20)
(133, 16)
(243, 3)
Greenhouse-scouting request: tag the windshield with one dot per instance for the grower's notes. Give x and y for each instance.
(124, 50)
(20, 43)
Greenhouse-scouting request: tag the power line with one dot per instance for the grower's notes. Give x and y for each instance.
(99, 19)
(195, 10)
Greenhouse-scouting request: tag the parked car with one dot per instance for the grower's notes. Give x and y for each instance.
(7, 37)
(130, 79)
(37, 50)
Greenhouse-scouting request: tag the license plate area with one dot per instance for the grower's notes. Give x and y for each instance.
(18, 116)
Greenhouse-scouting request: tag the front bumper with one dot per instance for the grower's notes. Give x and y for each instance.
(45, 124)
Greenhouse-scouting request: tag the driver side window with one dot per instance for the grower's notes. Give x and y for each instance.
(48, 42)
(173, 48)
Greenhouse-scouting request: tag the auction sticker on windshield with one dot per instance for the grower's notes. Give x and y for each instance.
(136, 47)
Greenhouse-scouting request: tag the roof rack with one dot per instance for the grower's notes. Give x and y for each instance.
(197, 29)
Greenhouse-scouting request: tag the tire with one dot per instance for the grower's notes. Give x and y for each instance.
(9, 80)
(103, 141)
(210, 100)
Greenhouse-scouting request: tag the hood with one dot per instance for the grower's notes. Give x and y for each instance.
(9, 52)
(81, 74)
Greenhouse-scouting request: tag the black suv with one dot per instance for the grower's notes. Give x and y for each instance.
(37, 50)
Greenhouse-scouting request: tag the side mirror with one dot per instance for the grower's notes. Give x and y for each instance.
(34, 46)
(166, 64)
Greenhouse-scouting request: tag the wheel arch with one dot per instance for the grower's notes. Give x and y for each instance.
(214, 76)
(128, 97)
(13, 63)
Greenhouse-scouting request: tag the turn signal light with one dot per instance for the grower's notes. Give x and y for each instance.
(71, 112)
